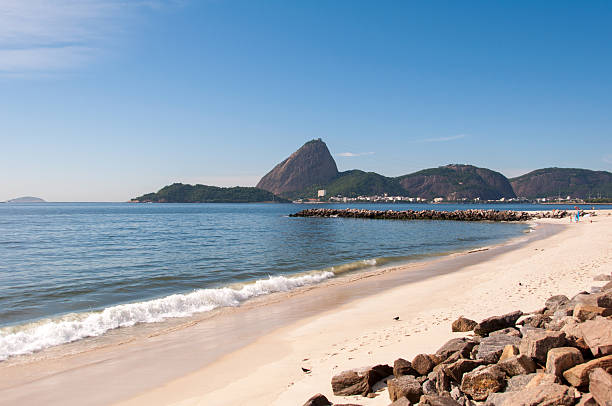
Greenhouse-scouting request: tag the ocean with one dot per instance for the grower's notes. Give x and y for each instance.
(74, 270)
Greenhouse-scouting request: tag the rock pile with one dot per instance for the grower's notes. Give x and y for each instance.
(457, 215)
(559, 355)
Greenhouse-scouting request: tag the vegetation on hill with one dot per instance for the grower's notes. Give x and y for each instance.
(454, 182)
(574, 182)
(180, 193)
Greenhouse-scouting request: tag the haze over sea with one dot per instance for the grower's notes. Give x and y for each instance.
(74, 270)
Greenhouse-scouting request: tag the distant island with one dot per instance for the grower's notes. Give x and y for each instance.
(26, 199)
(181, 193)
(311, 171)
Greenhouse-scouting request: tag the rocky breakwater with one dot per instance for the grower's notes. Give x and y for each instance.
(559, 355)
(457, 215)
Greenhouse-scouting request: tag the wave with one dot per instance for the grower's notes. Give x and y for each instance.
(32, 337)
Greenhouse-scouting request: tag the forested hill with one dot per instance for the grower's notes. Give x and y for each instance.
(574, 182)
(181, 193)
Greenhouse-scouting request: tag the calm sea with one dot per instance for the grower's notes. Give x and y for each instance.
(75, 270)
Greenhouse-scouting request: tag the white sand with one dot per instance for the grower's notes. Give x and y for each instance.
(363, 332)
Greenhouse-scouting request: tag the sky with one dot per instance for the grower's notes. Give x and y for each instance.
(105, 100)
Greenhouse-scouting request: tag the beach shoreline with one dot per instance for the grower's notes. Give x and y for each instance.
(279, 348)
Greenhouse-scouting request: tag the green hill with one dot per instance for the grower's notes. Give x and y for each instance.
(180, 193)
(574, 182)
(454, 182)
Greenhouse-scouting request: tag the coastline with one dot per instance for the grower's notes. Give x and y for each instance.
(273, 355)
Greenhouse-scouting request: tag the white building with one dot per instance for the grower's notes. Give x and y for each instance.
(321, 193)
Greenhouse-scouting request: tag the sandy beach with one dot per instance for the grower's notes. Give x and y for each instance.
(326, 329)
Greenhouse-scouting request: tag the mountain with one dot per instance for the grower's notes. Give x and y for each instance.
(180, 193)
(550, 182)
(309, 166)
(454, 182)
(26, 199)
(359, 183)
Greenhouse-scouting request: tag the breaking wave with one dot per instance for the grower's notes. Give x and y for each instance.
(32, 337)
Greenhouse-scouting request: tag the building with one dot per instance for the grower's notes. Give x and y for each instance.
(321, 193)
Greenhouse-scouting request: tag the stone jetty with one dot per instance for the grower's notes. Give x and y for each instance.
(457, 215)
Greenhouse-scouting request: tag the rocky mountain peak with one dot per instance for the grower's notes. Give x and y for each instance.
(310, 165)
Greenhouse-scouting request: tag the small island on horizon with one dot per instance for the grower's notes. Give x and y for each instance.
(26, 199)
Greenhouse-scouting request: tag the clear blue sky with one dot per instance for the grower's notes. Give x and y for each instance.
(103, 100)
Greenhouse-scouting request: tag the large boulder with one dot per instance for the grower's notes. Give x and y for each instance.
(543, 395)
(553, 303)
(404, 386)
(597, 335)
(483, 381)
(518, 365)
(605, 299)
(578, 376)
(600, 386)
(497, 323)
(462, 325)
(561, 359)
(536, 344)
(543, 379)
(403, 367)
(584, 312)
(462, 345)
(318, 400)
(460, 367)
(423, 363)
(359, 381)
(491, 348)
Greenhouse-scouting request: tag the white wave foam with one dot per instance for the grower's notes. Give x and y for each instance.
(47, 333)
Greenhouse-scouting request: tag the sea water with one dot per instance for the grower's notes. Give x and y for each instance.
(74, 270)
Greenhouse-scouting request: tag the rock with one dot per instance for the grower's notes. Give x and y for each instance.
(605, 299)
(404, 386)
(403, 367)
(518, 382)
(585, 312)
(554, 302)
(597, 335)
(442, 380)
(497, 323)
(511, 331)
(462, 325)
(435, 400)
(572, 328)
(542, 379)
(317, 400)
(429, 387)
(578, 376)
(456, 370)
(461, 345)
(423, 364)
(483, 381)
(607, 287)
(401, 402)
(536, 344)
(518, 365)
(602, 277)
(359, 381)
(584, 298)
(509, 351)
(537, 320)
(587, 400)
(543, 395)
(600, 386)
(561, 359)
(492, 347)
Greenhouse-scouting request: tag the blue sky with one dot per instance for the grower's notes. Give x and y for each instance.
(103, 100)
